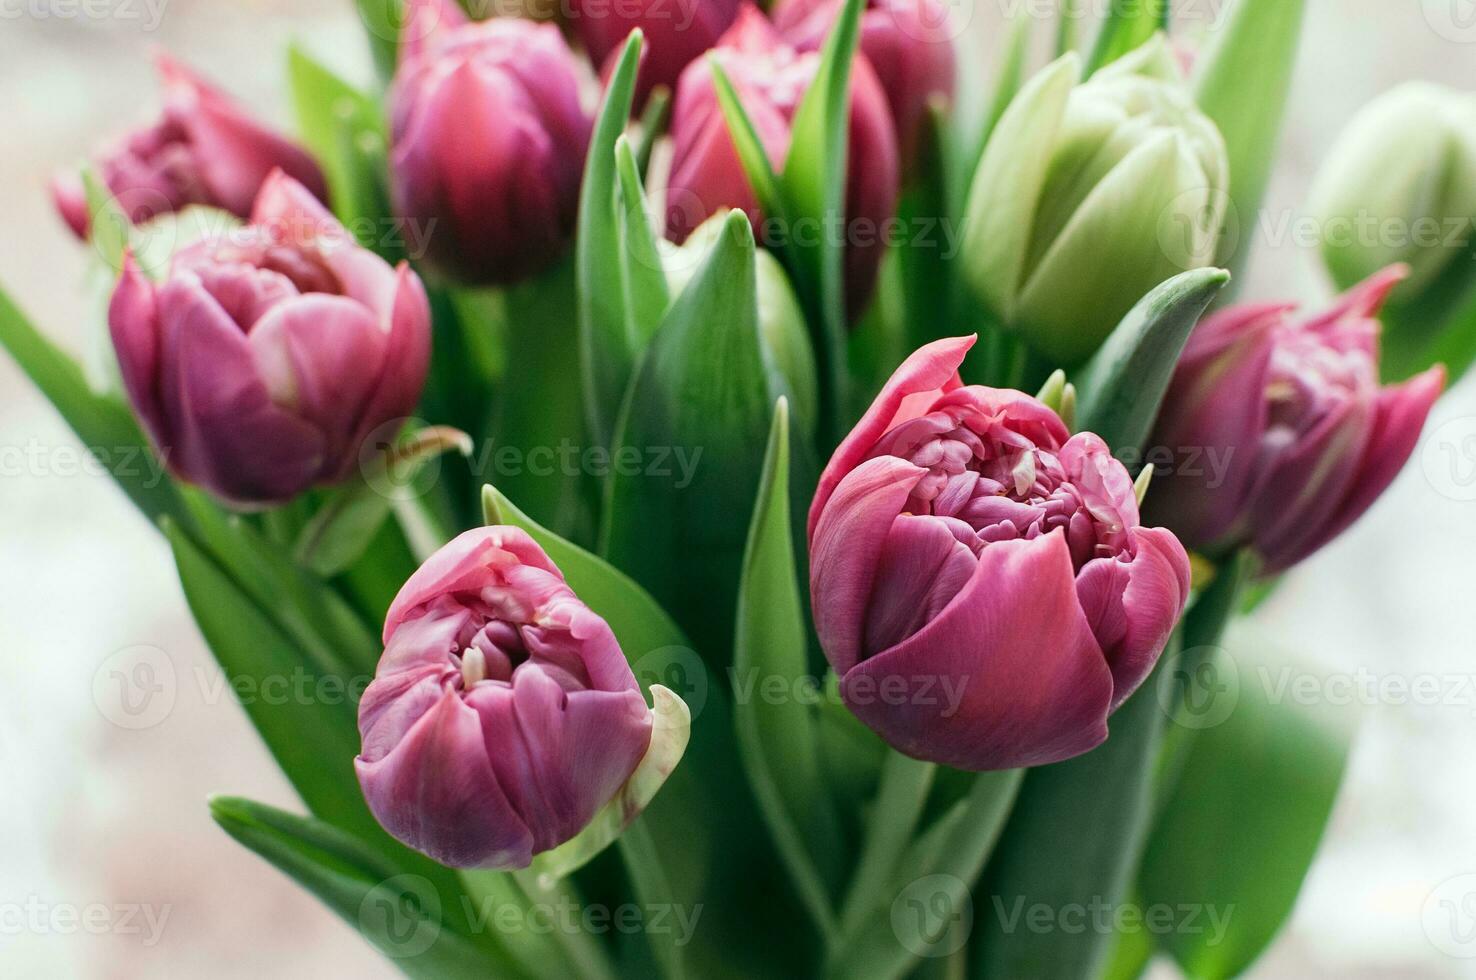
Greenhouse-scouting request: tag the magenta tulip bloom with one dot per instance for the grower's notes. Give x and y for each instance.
(1281, 435)
(489, 137)
(268, 355)
(204, 149)
(676, 33)
(771, 78)
(503, 714)
(908, 42)
(978, 575)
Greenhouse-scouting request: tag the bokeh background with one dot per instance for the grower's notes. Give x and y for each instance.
(95, 815)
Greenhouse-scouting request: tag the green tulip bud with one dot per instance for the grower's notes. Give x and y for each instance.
(1399, 185)
(784, 340)
(1090, 194)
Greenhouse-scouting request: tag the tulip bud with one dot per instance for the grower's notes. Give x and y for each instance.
(488, 140)
(204, 149)
(676, 33)
(771, 78)
(1281, 434)
(784, 339)
(268, 355)
(978, 575)
(1089, 195)
(1399, 185)
(503, 715)
(909, 43)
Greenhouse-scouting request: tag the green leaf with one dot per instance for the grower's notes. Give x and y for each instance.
(607, 350)
(779, 742)
(701, 400)
(382, 21)
(1120, 389)
(408, 914)
(1129, 24)
(814, 181)
(1241, 83)
(109, 229)
(644, 282)
(344, 129)
(103, 424)
(933, 884)
(1260, 785)
(1049, 857)
(305, 714)
(757, 166)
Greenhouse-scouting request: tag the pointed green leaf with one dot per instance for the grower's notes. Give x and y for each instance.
(1241, 83)
(757, 166)
(1260, 785)
(644, 283)
(1121, 387)
(779, 742)
(103, 424)
(1129, 23)
(383, 21)
(408, 914)
(607, 351)
(700, 400)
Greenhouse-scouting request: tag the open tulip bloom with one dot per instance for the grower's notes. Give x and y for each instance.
(671, 253)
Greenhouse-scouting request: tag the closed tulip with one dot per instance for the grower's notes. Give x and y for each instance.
(503, 714)
(1089, 194)
(267, 356)
(676, 32)
(909, 43)
(1281, 434)
(488, 138)
(979, 578)
(771, 78)
(204, 149)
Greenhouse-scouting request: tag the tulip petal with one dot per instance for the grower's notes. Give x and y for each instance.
(923, 565)
(845, 548)
(1008, 675)
(436, 791)
(931, 370)
(133, 322)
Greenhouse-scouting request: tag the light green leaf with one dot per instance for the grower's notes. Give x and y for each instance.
(1128, 25)
(1120, 389)
(344, 129)
(757, 166)
(1260, 786)
(409, 913)
(779, 742)
(103, 423)
(644, 282)
(1241, 83)
(607, 350)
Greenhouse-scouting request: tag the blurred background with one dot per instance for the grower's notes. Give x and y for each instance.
(109, 864)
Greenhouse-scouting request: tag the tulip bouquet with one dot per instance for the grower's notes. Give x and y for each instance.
(775, 510)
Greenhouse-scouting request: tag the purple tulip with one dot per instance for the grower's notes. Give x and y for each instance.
(978, 575)
(503, 714)
(1281, 435)
(204, 149)
(908, 42)
(676, 33)
(268, 355)
(771, 78)
(489, 136)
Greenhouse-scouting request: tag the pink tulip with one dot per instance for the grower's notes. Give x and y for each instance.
(676, 33)
(488, 140)
(978, 575)
(268, 355)
(204, 149)
(771, 78)
(908, 42)
(1281, 435)
(503, 714)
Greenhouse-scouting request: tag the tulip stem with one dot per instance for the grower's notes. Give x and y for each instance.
(649, 881)
(900, 798)
(585, 957)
